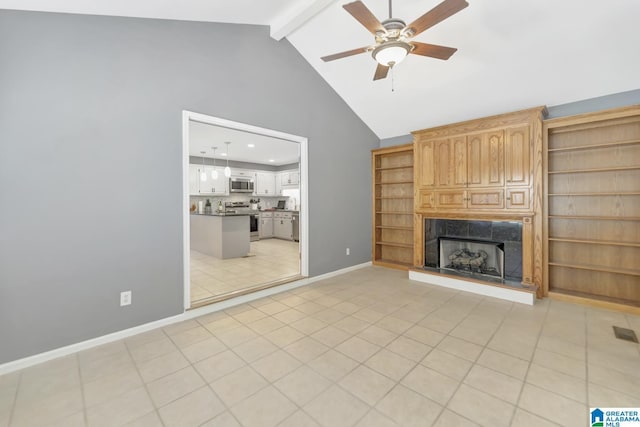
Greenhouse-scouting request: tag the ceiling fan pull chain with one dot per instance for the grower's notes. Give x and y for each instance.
(392, 81)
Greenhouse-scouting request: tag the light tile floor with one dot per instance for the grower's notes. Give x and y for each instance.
(368, 348)
(270, 260)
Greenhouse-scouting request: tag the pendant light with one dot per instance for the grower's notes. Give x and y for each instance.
(214, 172)
(227, 170)
(203, 174)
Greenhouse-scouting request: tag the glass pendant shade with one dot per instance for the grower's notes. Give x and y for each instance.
(391, 54)
(214, 172)
(203, 174)
(227, 169)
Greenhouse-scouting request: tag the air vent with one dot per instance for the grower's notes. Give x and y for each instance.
(625, 334)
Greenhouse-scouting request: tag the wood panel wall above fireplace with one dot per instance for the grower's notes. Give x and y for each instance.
(486, 169)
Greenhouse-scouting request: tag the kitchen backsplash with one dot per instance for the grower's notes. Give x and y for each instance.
(265, 202)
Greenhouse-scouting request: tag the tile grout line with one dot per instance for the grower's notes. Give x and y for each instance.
(461, 381)
(15, 399)
(535, 347)
(84, 401)
(144, 384)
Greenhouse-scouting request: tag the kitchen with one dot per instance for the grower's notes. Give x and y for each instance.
(244, 200)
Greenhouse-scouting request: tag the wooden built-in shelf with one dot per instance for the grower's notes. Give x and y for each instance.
(611, 169)
(625, 271)
(595, 199)
(595, 242)
(390, 168)
(396, 244)
(392, 230)
(394, 227)
(393, 197)
(593, 146)
(394, 182)
(394, 213)
(596, 217)
(613, 193)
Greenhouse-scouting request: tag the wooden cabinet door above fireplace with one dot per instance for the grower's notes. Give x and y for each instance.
(461, 200)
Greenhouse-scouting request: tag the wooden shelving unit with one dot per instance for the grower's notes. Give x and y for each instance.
(392, 234)
(592, 209)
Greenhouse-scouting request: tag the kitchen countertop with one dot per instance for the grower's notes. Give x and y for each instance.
(223, 214)
(279, 210)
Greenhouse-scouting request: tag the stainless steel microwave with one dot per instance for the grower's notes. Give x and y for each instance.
(241, 185)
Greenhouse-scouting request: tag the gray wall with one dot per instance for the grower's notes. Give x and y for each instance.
(396, 140)
(94, 104)
(621, 99)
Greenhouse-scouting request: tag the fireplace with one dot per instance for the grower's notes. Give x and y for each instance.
(490, 250)
(471, 255)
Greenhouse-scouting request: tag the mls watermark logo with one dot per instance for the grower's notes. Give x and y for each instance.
(615, 417)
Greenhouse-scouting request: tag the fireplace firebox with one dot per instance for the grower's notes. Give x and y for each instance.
(472, 255)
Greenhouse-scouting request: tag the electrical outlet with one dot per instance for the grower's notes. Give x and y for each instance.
(125, 298)
(348, 251)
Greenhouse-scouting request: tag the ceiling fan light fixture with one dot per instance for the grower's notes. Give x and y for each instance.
(391, 53)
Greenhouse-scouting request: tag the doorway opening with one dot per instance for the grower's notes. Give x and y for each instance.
(245, 208)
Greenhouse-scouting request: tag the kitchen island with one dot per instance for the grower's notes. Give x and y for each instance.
(221, 235)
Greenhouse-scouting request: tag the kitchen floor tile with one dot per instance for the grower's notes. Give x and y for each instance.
(218, 366)
(408, 408)
(494, 383)
(357, 349)
(174, 386)
(333, 365)
(275, 365)
(238, 385)
(430, 384)
(352, 348)
(481, 407)
(266, 408)
(192, 410)
(390, 364)
(122, 409)
(336, 408)
(367, 384)
(302, 385)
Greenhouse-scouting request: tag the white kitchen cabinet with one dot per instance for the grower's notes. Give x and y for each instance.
(266, 225)
(283, 225)
(214, 186)
(209, 186)
(194, 180)
(265, 184)
(290, 178)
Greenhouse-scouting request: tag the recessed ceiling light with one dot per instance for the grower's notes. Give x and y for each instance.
(223, 154)
(271, 160)
(251, 145)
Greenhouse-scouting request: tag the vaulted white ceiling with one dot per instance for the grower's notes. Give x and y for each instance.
(511, 54)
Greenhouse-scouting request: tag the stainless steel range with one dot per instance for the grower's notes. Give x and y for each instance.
(254, 217)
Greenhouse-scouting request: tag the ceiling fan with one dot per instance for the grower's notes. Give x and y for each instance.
(393, 36)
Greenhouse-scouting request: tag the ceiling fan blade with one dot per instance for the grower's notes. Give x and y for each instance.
(435, 15)
(433, 50)
(345, 54)
(381, 72)
(358, 10)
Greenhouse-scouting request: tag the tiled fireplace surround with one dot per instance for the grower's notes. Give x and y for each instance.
(507, 232)
(515, 232)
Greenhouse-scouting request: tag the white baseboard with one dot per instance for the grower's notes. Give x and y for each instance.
(515, 295)
(187, 315)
